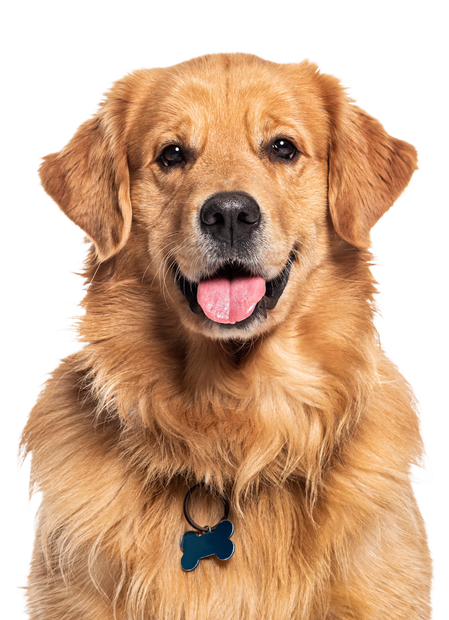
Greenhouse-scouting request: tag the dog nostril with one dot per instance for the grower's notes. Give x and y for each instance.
(211, 218)
(248, 218)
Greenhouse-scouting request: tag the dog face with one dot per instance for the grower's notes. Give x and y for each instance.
(226, 180)
(218, 187)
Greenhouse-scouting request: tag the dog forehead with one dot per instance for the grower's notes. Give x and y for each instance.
(225, 63)
(232, 95)
(220, 78)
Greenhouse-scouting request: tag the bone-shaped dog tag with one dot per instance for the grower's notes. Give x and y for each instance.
(199, 546)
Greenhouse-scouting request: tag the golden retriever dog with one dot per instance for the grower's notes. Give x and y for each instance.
(229, 342)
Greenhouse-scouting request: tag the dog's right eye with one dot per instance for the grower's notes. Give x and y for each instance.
(284, 148)
(172, 155)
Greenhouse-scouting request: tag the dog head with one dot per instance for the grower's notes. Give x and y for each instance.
(225, 181)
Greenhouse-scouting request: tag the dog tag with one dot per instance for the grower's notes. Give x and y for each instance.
(210, 541)
(203, 545)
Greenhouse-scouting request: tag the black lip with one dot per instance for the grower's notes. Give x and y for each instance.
(274, 289)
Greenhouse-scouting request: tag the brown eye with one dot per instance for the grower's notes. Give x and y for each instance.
(284, 148)
(172, 155)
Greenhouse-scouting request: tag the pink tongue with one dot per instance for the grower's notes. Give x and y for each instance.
(230, 301)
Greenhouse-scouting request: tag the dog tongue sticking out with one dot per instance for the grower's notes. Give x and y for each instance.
(225, 300)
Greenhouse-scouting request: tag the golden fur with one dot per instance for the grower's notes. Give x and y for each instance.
(300, 418)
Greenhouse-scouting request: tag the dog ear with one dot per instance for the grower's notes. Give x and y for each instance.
(89, 178)
(368, 169)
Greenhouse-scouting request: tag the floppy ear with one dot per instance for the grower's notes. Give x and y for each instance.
(368, 169)
(89, 179)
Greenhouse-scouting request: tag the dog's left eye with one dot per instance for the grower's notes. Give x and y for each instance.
(284, 148)
(172, 155)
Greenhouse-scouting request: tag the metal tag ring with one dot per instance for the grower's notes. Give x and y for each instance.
(189, 518)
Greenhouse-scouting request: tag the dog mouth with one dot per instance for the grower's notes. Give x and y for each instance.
(233, 296)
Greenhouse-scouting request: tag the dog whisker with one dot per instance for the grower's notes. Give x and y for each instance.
(156, 255)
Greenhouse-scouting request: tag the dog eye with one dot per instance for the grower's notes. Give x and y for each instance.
(284, 148)
(172, 155)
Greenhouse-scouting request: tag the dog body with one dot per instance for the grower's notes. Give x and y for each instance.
(229, 340)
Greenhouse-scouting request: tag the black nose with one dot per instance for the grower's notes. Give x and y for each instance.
(230, 217)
